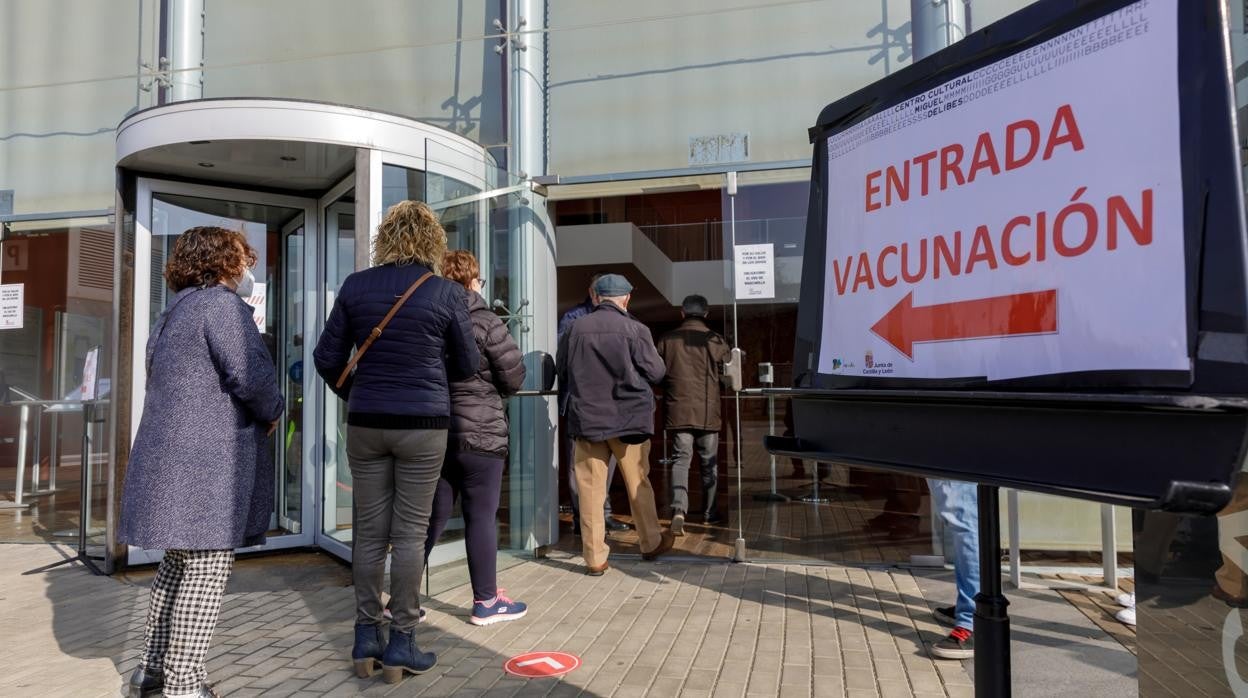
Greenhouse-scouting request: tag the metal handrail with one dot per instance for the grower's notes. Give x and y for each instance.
(535, 393)
(52, 403)
(23, 442)
(23, 393)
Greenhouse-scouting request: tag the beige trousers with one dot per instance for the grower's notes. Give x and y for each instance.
(591, 478)
(1232, 577)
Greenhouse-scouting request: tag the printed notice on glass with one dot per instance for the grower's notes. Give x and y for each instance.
(755, 271)
(258, 300)
(1010, 222)
(12, 306)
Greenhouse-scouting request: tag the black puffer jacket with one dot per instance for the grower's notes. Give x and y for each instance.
(478, 420)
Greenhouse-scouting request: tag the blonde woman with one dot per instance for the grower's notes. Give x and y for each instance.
(398, 412)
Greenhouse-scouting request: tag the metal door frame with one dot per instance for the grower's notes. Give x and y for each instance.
(146, 189)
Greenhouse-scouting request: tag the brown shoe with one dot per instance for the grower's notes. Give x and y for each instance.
(597, 571)
(1233, 601)
(666, 541)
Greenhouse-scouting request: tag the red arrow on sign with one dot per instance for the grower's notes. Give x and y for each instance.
(1002, 316)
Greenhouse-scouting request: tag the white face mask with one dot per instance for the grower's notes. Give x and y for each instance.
(246, 284)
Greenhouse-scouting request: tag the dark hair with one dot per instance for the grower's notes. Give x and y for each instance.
(205, 255)
(593, 278)
(695, 306)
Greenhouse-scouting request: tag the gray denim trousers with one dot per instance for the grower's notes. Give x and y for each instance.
(394, 476)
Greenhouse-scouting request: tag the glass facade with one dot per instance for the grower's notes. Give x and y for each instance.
(639, 138)
(54, 368)
(339, 259)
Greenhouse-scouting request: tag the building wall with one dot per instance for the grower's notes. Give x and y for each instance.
(632, 83)
(68, 76)
(424, 60)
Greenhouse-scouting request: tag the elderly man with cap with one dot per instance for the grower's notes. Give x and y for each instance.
(695, 355)
(607, 364)
(577, 312)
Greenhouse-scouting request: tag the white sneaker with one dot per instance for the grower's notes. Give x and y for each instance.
(1126, 600)
(1126, 616)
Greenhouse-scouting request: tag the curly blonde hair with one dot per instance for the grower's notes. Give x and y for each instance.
(410, 233)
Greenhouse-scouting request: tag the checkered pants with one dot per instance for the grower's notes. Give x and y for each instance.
(185, 601)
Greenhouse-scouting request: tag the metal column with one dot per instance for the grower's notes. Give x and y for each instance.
(533, 275)
(992, 621)
(934, 24)
(184, 24)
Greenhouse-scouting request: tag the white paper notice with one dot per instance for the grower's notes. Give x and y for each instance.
(755, 271)
(258, 300)
(88, 374)
(1023, 219)
(12, 306)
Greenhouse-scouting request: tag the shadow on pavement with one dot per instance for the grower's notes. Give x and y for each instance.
(286, 626)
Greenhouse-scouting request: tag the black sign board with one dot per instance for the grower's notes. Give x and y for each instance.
(1025, 262)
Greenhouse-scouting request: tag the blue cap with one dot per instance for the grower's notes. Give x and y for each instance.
(612, 285)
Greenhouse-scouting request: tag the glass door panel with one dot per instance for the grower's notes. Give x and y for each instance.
(792, 509)
(49, 438)
(477, 206)
(339, 256)
(290, 375)
(276, 227)
(459, 207)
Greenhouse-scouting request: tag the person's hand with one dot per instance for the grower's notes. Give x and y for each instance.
(273, 427)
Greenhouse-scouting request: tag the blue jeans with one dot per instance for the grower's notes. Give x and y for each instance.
(957, 505)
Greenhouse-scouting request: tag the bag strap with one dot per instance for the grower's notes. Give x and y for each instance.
(372, 336)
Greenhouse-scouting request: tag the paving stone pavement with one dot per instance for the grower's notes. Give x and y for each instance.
(664, 629)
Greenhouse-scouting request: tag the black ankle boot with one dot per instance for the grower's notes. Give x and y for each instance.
(403, 656)
(143, 684)
(367, 651)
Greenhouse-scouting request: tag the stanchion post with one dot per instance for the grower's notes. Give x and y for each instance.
(992, 622)
(84, 505)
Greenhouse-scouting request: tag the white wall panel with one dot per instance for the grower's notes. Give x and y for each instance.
(425, 60)
(67, 78)
(630, 83)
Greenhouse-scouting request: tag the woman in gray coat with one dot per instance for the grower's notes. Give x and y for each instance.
(199, 482)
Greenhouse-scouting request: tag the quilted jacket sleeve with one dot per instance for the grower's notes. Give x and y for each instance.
(503, 355)
(333, 349)
(462, 354)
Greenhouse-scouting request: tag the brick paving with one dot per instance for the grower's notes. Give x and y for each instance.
(666, 629)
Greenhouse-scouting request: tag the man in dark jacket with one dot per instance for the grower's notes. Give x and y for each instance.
(607, 363)
(694, 356)
(577, 311)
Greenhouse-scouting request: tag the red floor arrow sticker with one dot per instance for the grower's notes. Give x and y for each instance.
(1002, 316)
(541, 664)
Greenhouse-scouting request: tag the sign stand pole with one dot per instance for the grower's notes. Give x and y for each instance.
(992, 622)
(738, 550)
